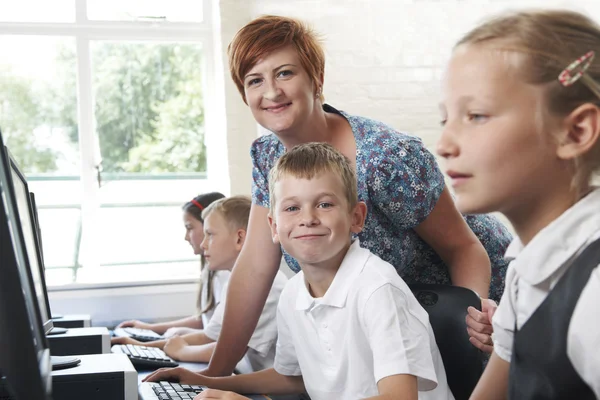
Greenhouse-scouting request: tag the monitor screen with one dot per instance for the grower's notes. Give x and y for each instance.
(24, 356)
(25, 217)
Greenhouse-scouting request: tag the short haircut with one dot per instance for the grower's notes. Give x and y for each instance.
(268, 33)
(309, 160)
(235, 210)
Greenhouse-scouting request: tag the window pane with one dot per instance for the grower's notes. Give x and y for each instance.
(61, 230)
(38, 119)
(132, 10)
(141, 231)
(149, 106)
(37, 11)
(150, 234)
(38, 104)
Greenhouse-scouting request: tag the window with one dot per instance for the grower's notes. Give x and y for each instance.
(102, 103)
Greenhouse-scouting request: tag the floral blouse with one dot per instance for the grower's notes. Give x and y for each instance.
(400, 181)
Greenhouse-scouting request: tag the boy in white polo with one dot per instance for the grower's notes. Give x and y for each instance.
(347, 323)
(348, 326)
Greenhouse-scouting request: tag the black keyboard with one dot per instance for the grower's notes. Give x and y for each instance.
(171, 390)
(141, 335)
(145, 357)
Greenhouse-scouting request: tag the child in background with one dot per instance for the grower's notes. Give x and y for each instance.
(521, 113)
(225, 224)
(349, 326)
(211, 282)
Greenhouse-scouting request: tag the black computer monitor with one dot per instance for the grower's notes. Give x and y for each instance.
(28, 234)
(24, 354)
(36, 222)
(37, 233)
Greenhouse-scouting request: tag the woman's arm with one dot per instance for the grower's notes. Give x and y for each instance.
(249, 287)
(493, 384)
(446, 231)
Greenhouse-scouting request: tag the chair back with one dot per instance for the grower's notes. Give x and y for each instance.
(447, 308)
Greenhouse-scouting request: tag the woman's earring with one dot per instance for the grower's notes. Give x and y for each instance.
(318, 94)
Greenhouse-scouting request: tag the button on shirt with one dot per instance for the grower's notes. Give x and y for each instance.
(261, 348)
(367, 326)
(537, 268)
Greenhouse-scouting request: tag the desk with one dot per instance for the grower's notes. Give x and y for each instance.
(193, 367)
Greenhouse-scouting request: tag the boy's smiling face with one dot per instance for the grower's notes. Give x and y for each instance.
(313, 221)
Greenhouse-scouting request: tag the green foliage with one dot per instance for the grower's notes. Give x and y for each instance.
(20, 114)
(149, 108)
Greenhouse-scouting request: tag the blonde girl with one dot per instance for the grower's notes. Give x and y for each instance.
(521, 116)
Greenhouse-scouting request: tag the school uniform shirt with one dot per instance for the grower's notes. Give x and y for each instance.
(366, 327)
(537, 268)
(220, 280)
(261, 348)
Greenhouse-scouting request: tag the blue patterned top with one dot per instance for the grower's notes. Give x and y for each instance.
(400, 181)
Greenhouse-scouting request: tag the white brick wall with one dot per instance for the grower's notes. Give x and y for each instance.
(384, 58)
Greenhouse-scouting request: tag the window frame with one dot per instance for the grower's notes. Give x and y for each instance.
(85, 31)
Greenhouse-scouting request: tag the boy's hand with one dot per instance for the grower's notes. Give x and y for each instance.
(177, 374)
(178, 331)
(125, 340)
(174, 347)
(219, 394)
(479, 325)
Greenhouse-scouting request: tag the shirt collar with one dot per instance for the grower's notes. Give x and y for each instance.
(556, 243)
(352, 265)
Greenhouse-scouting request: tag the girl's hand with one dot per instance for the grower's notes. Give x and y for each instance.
(479, 325)
(177, 374)
(219, 394)
(174, 347)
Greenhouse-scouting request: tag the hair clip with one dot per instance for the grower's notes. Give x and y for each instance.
(568, 76)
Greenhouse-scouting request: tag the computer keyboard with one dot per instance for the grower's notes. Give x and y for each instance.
(141, 335)
(145, 357)
(171, 390)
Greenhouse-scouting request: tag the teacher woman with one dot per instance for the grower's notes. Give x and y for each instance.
(278, 67)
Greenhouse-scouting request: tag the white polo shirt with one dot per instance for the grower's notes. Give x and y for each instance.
(367, 326)
(537, 268)
(219, 281)
(261, 348)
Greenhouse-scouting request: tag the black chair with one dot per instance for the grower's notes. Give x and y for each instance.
(447, 309)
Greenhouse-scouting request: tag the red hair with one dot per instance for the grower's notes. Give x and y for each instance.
(266, 34)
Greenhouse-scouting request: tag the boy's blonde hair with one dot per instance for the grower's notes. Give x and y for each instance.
(550, 40)
(235, 210)
(309, 160)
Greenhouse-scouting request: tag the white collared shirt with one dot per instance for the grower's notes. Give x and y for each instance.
(261, 348)
(368, 326)
(219, 281)
(534, 272)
